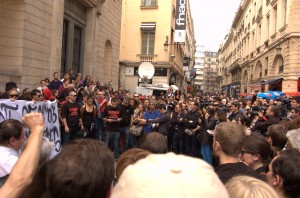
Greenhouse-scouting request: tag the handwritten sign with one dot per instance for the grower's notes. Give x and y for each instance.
(17, 109)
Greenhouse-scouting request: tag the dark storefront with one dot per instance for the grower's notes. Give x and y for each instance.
(274, 84)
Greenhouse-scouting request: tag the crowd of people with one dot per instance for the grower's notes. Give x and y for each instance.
(228, 147)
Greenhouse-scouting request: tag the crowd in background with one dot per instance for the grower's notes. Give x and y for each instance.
(256, 137)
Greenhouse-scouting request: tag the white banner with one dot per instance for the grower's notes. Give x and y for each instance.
(16, 110)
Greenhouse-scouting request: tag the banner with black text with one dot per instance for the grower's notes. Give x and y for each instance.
(19, 108)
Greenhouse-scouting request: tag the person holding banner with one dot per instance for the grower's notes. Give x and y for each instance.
(70, 114)
(12, 138)
(24, 169)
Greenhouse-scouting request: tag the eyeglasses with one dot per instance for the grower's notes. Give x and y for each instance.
(74, 95)
(14, 95)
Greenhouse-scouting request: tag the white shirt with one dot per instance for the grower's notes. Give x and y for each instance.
(8, 159)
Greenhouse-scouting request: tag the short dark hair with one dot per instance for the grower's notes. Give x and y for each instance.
(114, 100)
(287, 166)
(8, 129)
(88, 172)
(257, 144)
(230, 136)
(277, 132)
(275, 110)
(154, 142)
(10, 85)
(237, 104)
(34, 92)
(162, 106)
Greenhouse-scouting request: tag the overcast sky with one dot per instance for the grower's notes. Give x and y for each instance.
(212, 19)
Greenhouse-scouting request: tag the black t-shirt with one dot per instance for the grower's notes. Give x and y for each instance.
(127, 112)
(227, 171)
(112, 113)
(71, 112)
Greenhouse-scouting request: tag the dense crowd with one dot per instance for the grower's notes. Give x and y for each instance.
(245, 142)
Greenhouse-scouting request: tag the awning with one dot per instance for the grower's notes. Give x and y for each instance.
(148, 26)
(271, 81)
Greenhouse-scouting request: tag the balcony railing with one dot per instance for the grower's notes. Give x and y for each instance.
(149, 3)
(146, 58)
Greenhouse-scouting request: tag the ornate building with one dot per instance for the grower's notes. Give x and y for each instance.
(261, 50)
(40, 37)
(147, 35)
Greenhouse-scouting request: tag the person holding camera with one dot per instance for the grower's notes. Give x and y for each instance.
(264, 121)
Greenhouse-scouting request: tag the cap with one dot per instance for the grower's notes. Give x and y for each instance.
(169, 175)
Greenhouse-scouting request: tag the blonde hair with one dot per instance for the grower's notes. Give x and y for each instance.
(249, 187)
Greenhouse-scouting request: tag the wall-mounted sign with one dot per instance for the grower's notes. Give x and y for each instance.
(180, 21)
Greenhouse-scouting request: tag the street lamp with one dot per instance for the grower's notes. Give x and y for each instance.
(166, 44)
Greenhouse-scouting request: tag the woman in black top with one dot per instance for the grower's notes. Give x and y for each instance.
(88, 114)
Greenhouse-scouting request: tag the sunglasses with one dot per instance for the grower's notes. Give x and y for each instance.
(39, 95)
(14, 95)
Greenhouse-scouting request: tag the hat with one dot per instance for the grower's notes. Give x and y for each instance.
(48, 94)
(169, 175)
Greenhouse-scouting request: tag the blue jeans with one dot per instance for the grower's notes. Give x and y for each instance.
(124, 133)
(178, 143)
(99, 129)
(113, 139)
(206, 153)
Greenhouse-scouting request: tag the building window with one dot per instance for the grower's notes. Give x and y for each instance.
(149, 3)
(148, 39)
(64, 67)
(77, 42)
(268, 26)
(285, 11)
(275, 19)
(73, 36)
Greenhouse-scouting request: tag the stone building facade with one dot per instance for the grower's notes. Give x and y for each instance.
(40, 37)
(147, 36)
(261, 50)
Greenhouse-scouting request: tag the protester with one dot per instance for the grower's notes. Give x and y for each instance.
(88, 114)
(228, 141)
(154, 142)
(127, 117)
(276, 136)
(12, 138)
(55, 83)
(21, 175)
(256, 153)
(284, 175)
(8, 87)
(83, 169)
(129, 157)
(70, 114)
(113, 116)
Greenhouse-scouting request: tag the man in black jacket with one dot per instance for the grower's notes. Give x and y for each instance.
(191, 124)
(269, 119)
